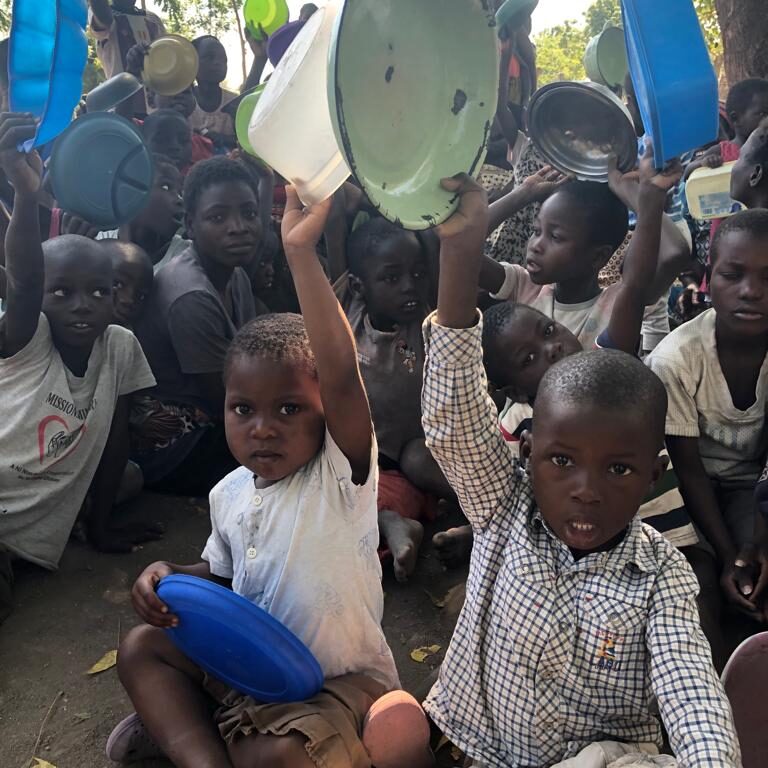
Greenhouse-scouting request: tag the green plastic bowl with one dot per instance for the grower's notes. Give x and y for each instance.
(412, 92)
(270, 14)
(243, 117)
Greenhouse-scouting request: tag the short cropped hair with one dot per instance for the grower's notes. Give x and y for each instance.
(741, 94)
(495, 320)
(154, 119)
(606, 216)
(217, 170)
(363, 242)
(279, 337)
(607, 379)
(753, 221)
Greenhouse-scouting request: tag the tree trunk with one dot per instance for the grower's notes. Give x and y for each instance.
(241, 33)
(744, 24)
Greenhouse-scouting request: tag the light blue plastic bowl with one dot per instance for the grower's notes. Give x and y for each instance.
(675, 83)
(46, 58)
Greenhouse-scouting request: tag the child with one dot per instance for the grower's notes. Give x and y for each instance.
(715, 369)
(155, 229)
(66, 375)
(386, 300)
(297, 418)
(208, 117)
(199, 301)
(749, 177)
(579, 618)
(578, 228)
(131, 282)
(167, 132)
(520, 344)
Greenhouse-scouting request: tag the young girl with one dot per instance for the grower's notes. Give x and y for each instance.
(294, 530)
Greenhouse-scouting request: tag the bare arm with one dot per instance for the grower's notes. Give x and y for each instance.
(347, 414)
(259, 50)
(212, 387)
(23, 248)
(102, 12)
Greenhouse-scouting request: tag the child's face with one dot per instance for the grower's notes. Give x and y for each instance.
(748, 173)
(172, 138)
(559, 249)
(212, 67)
(395, 285)
(77, 298)
(164, 212)
(739, 285)
(527, 346)
(752, 116)
(226, 226)
(184, 103)
(131, 285)
(263, 274)
(273, 416)
(590, 471)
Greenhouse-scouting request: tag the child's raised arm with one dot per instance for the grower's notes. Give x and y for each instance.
(347, 414)
(641, 262)
(23, 249)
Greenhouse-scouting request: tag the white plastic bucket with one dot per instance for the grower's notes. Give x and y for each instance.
(708, 192)
(291, 128)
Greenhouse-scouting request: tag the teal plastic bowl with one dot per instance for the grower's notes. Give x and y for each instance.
(412, 92)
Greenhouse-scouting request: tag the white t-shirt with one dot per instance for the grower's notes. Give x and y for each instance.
(53, 428)
(732, 443)
(304, 550)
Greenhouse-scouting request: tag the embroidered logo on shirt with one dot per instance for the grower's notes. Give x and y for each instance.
(409, 355)
(606, 651)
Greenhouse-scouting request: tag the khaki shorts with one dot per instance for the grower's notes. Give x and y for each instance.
(331, 721)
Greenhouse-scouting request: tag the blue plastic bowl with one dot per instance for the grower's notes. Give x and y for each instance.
(46, 58)
(675, 84)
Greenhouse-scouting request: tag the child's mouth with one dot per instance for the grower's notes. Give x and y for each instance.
(581, 533)
(410, 306)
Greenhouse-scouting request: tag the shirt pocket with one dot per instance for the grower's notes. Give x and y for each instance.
(610, 654)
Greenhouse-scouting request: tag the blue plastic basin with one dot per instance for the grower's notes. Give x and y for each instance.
(46, 58)
(675, 83)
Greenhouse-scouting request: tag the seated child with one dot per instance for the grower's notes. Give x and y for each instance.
(294, 530)
(578, 228)
(167, 132)
(66, 376)
(386, 299)
(520, 344)
(131, 281)
(156, 228)
(749, 177)
(199, 301)
(715, 369)
(579, 618)
(208, 118)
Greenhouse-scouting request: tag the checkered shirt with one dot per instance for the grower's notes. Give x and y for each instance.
(551, 654)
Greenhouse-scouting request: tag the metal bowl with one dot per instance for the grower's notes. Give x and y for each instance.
(577, 127)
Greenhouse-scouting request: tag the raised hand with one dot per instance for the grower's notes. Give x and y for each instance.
(303, 227)
(23, 170)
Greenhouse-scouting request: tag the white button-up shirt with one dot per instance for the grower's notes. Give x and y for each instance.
(551, 654)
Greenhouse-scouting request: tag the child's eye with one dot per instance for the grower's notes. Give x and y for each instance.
(562, 461)
(216, 218)
(391, 279)
(621, 470)
(251, 215)
(101, 293)
(242, 410)
(289, 409)
(528, 359)
(165, 187)
(60, 292)
(549, 330)
(117, 285)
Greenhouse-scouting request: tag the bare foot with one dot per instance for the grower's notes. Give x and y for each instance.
(403, 537)
(454, 546)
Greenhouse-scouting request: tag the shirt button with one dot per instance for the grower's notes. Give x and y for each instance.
(257, 499)
(251, 552)
(565, 626)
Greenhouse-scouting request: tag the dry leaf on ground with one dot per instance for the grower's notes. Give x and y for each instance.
(107, 661)
(420, 654)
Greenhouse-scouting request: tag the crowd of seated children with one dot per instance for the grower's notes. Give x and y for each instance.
(569, 594)
(67, 380)
(716, 373)
(386, 294)
(294, 530)
(208, 117)
(199, 301)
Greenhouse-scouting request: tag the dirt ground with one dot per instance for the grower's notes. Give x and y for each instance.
(65, 622)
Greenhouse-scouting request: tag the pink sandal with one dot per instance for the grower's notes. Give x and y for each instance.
(130, 742)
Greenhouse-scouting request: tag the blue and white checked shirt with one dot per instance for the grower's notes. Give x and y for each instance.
(551, 654)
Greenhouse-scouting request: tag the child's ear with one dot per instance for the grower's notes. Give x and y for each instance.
(659, 468)
(526, 450)
(756, 176)
(356, 286)
(601, 255)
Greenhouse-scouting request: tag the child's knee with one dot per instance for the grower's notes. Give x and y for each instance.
(139, 644)
(396, 732)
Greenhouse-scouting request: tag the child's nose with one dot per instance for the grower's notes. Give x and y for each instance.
(751, 289)
(585, 488)
(554, 352)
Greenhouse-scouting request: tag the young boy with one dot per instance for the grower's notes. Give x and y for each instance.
(66, 378)
(131, 282)
(167, 132)
(715, 369)
(749, 177)
(579, 618)
(578, 228)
